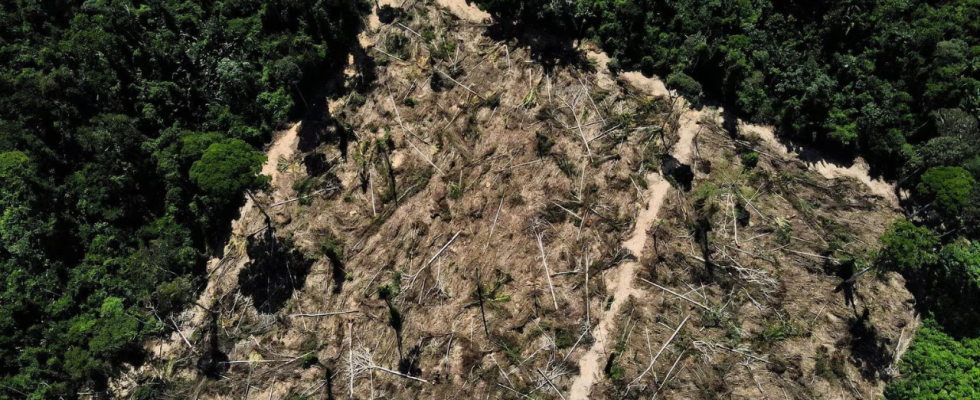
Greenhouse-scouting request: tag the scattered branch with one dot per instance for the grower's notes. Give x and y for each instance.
(676, 294)
(323, 314)
(547, 272)
(662, 348)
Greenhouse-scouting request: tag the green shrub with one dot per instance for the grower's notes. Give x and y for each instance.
(543, 144)
(492, 101)
(455, 190)
(614, 65)
(750, 160)
(684, 85)
(356, 100)
(309, 360)
(905, 248)
(564, 338)
(948, 187)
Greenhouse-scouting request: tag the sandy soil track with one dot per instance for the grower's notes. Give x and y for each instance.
(620, 282)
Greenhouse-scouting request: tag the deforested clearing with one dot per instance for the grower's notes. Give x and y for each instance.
(473, 220)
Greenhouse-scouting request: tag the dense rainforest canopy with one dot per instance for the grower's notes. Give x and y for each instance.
(861, 75)
(128, 131)
(896, 81)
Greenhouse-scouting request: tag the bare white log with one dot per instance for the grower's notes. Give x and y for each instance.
(424, 157)
(410, 30)
(580, 131)
(568, 211)
(662, 348)
(307, 196)
(323, 314)
(518, 165)
(676, 294)
(282, 360)
(350, 365)
(396, 373)
(389, 55)
(374, 210)
(443, 248)
(187, 342)
(460, 84)
(547, 272)
(494, 226)
(550, 383)
(812, 255)
(597, 112)
(668, 376)
(737, 351)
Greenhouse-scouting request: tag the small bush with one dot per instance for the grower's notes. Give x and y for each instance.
(492, 101)
(455, 190)
(784, 231)
(684, 85)
(309, 360)
(564, 338)
(543, 144)
(614, 65)
(750, 160)
(706, 190)
(356, 100)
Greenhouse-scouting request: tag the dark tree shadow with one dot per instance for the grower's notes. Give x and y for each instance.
(729, 122)
(331, 249)
(824, 151)
(868, 348)
(680, 174)
(316, 164)
(216, 230)
(548, 49)
(319, 126)
(328, 382)
(276, 270)
(387, 14)
(212, 363)
(409, 365)
(367, 69)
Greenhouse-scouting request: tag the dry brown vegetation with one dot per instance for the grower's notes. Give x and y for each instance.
(445, 230)
(768, 317)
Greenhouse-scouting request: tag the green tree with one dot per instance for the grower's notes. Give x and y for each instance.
(948, 187)
(905, 248)
(937, 366)
(227, 169)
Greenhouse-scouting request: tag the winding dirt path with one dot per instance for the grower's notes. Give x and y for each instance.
(620, 282)
(858, 169)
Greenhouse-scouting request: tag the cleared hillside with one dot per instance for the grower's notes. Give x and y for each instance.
(478, 220)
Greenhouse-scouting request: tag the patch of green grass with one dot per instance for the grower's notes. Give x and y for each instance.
(455, 190)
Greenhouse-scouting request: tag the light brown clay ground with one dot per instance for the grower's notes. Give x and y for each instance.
(464, 11)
